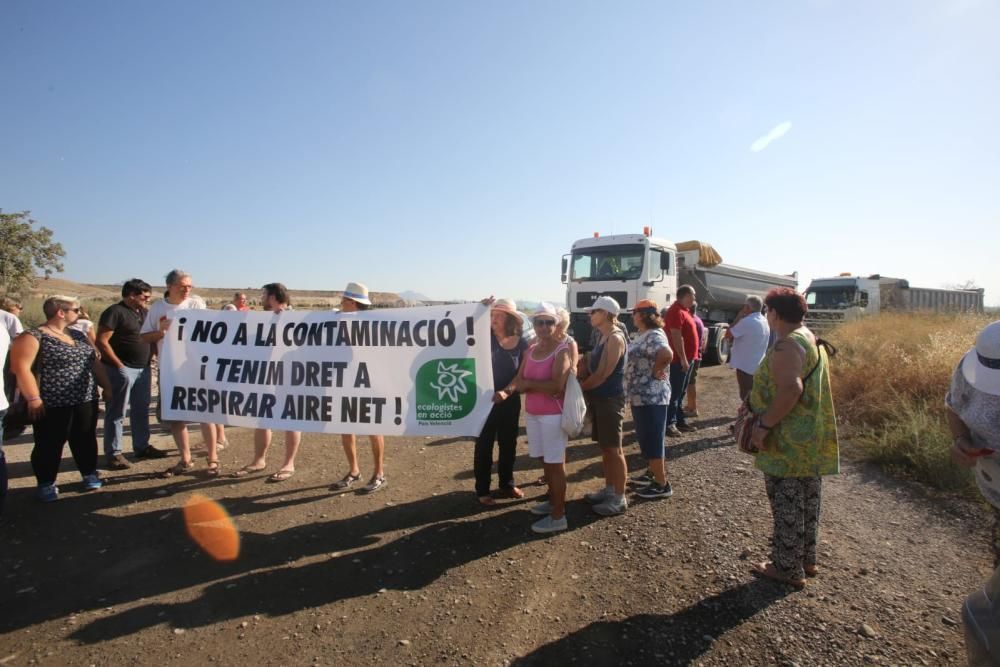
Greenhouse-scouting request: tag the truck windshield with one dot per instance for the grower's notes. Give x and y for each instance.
(831, 298)
(620, 262)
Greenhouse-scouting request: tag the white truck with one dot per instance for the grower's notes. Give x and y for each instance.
(632, 267)
(847, 297)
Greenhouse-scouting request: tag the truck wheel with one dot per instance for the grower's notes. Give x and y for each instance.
(717, 350)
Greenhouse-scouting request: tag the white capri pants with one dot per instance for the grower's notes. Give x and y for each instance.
(546, 439)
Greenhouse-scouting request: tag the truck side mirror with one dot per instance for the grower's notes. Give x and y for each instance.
(665, 262)
(565, 265)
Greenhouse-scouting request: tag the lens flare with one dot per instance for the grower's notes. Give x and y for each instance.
(211, 528)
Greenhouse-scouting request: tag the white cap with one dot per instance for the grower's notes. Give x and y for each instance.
(605, 303)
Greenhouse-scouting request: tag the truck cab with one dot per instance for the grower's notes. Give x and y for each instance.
(626, 267)
(845, 298)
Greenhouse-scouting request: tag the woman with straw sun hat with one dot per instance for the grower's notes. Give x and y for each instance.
(507, 347)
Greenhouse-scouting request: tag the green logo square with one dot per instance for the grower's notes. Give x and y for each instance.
(446, 390)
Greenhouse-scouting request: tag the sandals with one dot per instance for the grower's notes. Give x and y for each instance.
(489, 501)
(179, 469)
(512, 492)
(214, 470)
(349, 480)
(248, 470)
(281, 476)
(768, 571)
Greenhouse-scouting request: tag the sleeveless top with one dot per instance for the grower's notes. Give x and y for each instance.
(537, 403)
(65, 372)
(804, 443)
(505, 362)
(613, 385)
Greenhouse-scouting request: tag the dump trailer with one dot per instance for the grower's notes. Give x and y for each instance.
(845, 298)
(632, 267)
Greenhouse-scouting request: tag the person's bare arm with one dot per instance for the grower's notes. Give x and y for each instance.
(102, 378)
(23, 352)
(677, 338)
(159, 334)
(963, 452)
(786, 368)
(104, 347)
(663, 358)
(613, 351)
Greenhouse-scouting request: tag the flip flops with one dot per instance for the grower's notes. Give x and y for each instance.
(281, 476)
(248, 470)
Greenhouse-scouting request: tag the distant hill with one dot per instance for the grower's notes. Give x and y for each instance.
(410, 295)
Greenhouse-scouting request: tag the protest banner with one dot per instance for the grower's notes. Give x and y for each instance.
(402, 371)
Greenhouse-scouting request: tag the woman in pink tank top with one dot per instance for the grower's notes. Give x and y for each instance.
(542, 379)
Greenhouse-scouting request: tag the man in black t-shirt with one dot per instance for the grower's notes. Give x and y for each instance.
(126, 358)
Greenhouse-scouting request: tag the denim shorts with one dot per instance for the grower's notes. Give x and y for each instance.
(650, 429)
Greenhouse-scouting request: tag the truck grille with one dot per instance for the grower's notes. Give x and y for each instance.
(587, 299)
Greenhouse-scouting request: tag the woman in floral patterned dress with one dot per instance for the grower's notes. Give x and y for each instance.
(796, 436)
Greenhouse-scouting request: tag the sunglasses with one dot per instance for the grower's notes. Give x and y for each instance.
(545, 323)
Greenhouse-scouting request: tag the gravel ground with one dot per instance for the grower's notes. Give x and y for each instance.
(420, 573)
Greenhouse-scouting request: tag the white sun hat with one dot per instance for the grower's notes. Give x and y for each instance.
(981, 364)
(357, 292)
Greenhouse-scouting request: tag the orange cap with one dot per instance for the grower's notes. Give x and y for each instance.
(647, 304)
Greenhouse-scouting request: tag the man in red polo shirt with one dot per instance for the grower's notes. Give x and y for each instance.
(682, 333)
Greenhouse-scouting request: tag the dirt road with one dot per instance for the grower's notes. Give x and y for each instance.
(421, 574)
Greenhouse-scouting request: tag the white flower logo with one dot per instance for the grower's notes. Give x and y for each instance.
(450, 382)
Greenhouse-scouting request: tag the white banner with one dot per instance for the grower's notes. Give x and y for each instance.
(403, 371)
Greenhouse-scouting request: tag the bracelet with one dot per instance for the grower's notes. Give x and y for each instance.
(760, 425)
(29, 399)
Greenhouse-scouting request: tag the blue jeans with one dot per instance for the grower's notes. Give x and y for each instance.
(678, 387)
(130, 389)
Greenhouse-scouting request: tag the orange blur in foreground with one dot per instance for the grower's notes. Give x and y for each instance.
(209, 525)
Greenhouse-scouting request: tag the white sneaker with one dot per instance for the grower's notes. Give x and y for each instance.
(549, 525)
(612, 507)
(543, 508)
(596, 497)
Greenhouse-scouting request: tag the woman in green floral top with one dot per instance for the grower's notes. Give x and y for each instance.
(796, 436)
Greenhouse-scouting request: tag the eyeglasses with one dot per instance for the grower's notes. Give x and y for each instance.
(545, 323)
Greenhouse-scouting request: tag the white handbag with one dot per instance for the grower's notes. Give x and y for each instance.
(574, 410)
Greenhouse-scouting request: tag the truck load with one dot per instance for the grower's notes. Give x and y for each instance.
(632, 267)
(845, 298)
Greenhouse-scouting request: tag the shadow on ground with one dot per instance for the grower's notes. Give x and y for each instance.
(659, 639)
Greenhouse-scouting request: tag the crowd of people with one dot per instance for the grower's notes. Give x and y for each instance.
(782, 373)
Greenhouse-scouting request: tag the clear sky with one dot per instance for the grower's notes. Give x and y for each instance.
(458, 148)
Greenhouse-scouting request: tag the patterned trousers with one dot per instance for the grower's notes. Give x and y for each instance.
(996, 538)
(795, 505)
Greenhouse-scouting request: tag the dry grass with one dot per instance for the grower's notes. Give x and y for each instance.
(890, 378)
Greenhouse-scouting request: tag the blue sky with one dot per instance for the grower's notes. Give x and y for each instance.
(458, 148)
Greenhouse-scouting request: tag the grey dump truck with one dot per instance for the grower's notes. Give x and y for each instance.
(845, 298)
(632, 267)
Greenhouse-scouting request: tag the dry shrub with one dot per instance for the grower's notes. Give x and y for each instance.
(890, 378)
